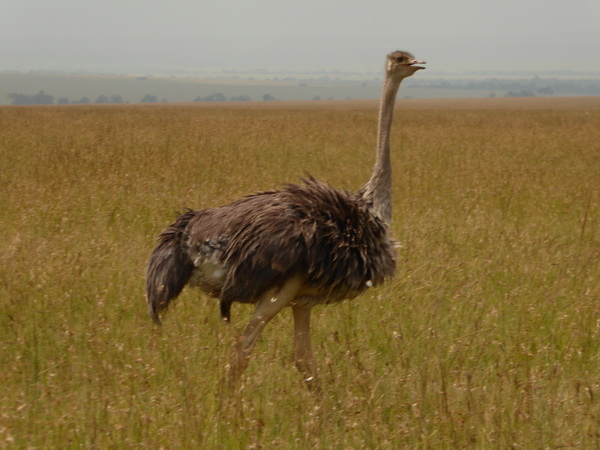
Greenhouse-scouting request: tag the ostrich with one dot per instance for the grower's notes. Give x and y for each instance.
(300, 246)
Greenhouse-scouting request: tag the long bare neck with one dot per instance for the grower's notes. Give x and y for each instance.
(378, 190)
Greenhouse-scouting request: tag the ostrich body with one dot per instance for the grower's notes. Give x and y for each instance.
(299, 246)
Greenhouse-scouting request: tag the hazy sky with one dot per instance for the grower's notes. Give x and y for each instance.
(138, 36)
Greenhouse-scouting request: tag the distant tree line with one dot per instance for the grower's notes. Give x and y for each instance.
(220, 97)
(523, 87)
(41, 98)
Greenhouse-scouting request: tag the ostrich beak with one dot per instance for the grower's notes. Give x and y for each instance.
(414, 61)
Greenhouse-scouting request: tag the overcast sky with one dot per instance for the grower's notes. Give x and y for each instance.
(129, 36)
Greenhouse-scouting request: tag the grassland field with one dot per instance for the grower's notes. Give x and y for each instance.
(488, 336)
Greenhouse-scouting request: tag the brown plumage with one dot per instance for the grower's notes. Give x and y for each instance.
(299, 246)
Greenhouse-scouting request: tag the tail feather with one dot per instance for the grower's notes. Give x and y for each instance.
(169, 268)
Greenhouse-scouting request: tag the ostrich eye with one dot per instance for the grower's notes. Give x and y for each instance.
(400, 59)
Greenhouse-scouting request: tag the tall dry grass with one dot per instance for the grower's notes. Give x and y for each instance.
(489, 336)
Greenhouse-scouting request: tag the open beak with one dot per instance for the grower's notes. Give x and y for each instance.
(414, 61)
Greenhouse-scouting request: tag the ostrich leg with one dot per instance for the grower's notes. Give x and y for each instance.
(267, 307)
(303, 355)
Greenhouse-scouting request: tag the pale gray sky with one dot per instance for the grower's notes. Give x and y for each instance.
(129, 36)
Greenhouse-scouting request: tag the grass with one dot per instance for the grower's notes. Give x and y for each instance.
(489, 335)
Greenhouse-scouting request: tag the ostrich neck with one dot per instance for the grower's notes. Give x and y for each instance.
(378, 190)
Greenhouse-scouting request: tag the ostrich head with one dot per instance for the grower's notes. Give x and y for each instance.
(402, 64)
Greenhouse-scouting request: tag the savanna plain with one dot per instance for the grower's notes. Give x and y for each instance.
(487, 337)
